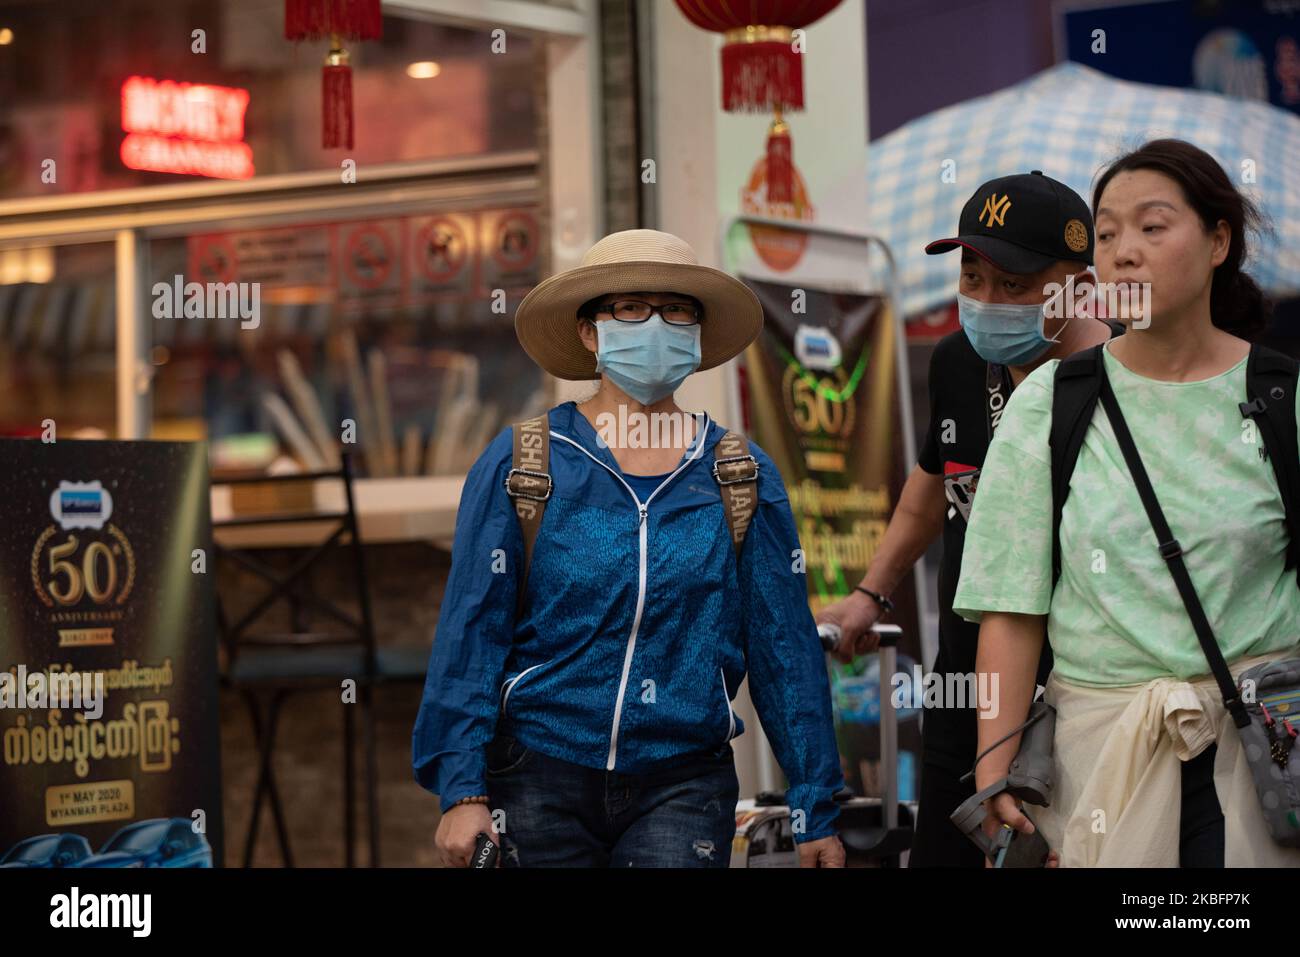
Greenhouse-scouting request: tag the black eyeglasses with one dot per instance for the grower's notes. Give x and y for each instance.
(634, 310)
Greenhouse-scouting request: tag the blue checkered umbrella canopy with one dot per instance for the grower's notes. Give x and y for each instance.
(1070, 121)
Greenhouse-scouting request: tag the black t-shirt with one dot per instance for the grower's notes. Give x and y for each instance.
(967, 396)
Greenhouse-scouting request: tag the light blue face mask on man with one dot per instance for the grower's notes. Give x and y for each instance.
(647, 360)
(1006, 334)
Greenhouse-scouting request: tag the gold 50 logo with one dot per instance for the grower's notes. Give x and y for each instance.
(815, 403)
(93, 561)
(65, 572)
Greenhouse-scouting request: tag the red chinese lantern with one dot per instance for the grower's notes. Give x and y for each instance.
(336, 20)
(761, 69)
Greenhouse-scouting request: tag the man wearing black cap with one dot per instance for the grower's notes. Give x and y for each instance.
(1025, 240)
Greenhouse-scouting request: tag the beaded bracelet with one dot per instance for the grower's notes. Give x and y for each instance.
(478, 799)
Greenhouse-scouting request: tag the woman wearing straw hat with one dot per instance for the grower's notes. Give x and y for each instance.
(600, 617)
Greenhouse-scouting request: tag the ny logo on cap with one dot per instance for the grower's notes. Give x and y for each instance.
(995, 209)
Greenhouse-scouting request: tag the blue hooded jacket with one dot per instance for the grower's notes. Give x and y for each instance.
(638, 626)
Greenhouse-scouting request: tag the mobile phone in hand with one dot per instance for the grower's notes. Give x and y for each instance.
(1022, 850)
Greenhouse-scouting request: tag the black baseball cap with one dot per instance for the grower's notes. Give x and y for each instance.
(1023, 223)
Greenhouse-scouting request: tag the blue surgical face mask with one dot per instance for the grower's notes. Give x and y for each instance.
(647, 360)
(1004, 333)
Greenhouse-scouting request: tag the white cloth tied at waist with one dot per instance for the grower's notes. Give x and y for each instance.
(1119, 754)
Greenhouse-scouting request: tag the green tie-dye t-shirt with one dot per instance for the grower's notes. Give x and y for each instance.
(1115, 617)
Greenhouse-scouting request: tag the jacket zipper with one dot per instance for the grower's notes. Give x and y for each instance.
(731, 715)
(642, 509)
(510, 685)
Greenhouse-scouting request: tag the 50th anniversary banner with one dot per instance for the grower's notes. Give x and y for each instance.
(109, 736)
(823, 390)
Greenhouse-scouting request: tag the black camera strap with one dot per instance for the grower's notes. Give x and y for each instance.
(997, 388)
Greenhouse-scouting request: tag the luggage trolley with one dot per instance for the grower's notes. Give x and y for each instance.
(875, 831)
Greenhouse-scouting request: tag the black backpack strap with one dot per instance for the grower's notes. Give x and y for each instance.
(1271, 382)
(1074, 399)
(1172, 553)
(529, 484)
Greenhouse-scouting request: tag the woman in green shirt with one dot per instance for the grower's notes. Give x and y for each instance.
(1140, 778)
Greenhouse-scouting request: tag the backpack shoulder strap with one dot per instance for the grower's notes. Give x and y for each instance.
(736, 472)
(1271, 382)
(529, 483)
(1074, 400)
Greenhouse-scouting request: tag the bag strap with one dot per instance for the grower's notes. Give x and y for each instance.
(736, 472)
(529, 484)
(1074, 400)
(1172, 553)
(997, 390)
(1035, 715)
(1271, 382)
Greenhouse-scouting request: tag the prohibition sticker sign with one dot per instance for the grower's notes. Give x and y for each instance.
(441, 250)
(213, 259)
(515, 246)
(368, 257)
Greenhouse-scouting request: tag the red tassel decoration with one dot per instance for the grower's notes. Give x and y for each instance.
(336, 101)
(318, 19)
(761, 68)
(760, 75)
(780, 162)
(337, 20)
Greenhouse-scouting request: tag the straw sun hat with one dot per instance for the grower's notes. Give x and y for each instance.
(634, 260)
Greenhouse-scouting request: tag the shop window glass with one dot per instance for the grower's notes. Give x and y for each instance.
(390, 323)
(426, 90)
(57, 340)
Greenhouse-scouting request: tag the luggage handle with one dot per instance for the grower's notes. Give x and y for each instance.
(830, 635)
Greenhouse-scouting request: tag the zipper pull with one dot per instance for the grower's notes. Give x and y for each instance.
(641, 508)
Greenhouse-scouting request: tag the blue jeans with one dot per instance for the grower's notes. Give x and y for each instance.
(557, 814)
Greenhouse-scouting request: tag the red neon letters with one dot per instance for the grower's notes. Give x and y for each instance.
(191, 128)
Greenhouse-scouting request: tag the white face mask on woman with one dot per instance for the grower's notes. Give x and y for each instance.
(647, 360)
